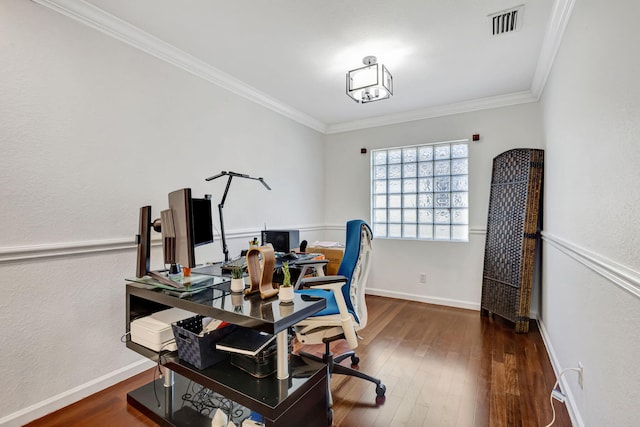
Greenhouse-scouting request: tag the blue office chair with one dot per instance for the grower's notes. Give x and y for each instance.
(346, 311)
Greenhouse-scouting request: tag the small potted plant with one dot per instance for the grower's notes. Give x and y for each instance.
(237, 279)
(285, 294)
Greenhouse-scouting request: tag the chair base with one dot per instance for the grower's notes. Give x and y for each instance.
(334, 367)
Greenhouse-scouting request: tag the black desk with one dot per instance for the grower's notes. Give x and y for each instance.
(302, 389)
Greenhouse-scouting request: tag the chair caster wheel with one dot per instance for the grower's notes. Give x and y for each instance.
(355, 360)
(381, 389)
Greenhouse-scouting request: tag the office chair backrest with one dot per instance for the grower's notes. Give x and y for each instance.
(355, 266)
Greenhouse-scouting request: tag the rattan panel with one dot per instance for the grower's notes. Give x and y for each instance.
(512, 235)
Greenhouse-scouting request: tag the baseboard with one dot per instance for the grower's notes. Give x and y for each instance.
(533, 314)
(68, 397)
(574, 412)
(421, 298)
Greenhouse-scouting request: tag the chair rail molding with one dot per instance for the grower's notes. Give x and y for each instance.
(53, 250)
(472, 230)
(477, 231)
(618, 274)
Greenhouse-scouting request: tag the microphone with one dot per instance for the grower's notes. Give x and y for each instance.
(264, 183)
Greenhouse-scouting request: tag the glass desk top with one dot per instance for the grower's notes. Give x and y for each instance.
(213, 298)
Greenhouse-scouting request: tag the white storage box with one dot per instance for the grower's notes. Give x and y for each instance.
(154, 331)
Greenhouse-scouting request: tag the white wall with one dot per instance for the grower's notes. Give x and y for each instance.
(91, 130)
(454, 270)
(591, 277)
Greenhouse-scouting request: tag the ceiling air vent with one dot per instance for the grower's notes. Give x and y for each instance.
(506, 21)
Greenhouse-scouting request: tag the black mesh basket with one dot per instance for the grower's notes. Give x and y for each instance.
(200, 351)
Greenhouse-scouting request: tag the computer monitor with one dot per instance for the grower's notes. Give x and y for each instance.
(281, 240)
(184, 226)
(192, 224)
(143, 241)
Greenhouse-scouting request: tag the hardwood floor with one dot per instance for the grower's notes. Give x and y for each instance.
(442, 367)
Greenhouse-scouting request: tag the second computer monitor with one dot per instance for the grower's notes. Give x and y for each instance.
(282, 240)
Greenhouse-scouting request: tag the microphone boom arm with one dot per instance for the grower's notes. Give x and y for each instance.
(230, 174)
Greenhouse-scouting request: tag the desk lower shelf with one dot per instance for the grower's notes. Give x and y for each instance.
(279, 401)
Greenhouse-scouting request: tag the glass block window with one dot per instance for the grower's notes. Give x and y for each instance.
(421, 192)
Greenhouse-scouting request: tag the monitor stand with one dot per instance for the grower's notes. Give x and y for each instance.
(143, 240)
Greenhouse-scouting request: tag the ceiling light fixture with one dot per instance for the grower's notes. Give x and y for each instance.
(372, 82)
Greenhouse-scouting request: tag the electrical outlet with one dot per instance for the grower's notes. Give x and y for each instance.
(580, 375)
(423, 278)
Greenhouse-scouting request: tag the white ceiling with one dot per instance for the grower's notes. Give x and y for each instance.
(292, 55)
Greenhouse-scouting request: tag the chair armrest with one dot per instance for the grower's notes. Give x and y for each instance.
(324, 280)
(315, 265)
(334, 284)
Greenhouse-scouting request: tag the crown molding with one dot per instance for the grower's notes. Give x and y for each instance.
(438, 111)
(98, 19)
(106, 23)
(560, 15)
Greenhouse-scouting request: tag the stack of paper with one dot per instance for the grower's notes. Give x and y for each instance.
(319, 244)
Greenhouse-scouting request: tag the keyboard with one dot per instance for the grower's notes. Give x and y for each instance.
(230, 265)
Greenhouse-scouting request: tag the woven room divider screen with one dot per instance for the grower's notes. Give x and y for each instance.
(513, 236)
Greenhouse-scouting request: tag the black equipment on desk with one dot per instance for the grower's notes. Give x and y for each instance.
(282, 240)
(291, 256)
(228, 266)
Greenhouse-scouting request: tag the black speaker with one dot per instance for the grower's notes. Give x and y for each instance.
(282, 240)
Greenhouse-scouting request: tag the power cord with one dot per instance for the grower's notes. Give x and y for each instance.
(557, 394)
(123, 338)
(157, 373)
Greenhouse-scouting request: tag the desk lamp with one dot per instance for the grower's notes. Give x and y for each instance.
(224, 197)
